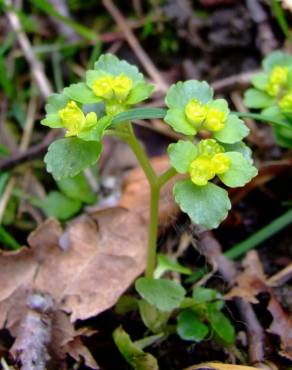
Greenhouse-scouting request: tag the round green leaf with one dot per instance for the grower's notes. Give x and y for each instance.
(241, 171)
(166, 295)
(60, 206)
(181, 155)
(257, 99)
(68, 157)
(283, 137)
(152, 318)
(80, 93)
(221, 326)
(260, 80)
(276, 58)
(203, 295)
(55, 103)
(177, 120)
(77, 187)
(241, 148)
(234, 130)
(52, 120)
(181, 93)
(189, 327)
(205, 205)
(112, 65)
(140, 92)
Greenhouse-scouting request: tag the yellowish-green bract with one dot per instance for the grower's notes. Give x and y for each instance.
(272, 93)
(86, 111)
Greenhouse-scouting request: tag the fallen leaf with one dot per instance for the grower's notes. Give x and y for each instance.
(251, 282)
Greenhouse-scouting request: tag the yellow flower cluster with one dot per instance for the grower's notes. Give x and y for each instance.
(277, 80)
(110, 87)
(203, 116)
(210, 162)
(285, 102)
(74, 120)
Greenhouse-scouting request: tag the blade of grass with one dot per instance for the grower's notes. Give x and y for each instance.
(281, 19)
(8, 240)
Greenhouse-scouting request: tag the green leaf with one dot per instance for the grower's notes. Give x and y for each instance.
(52, 120)
(176, 118)
(112, 65)
(221, 326)
(181, 93)
(138, 113)
(276, 58)
(257, 99)
(4, 151)
(205, 205)
(5, 80)
(167, 264)
(189, 326)
(68, 157)
(181, 155)
(80, 93)
(140, 92)
(234, 130)
(55, 103)
(96, 133)
(260, 80)
(125, 304)
(241, 148)
(8, 240)
(152, 318)
(203, 295)
(132, 353)
(166, 295)
(60, 206)
(77, 187)
(283, 137)
(240, 171)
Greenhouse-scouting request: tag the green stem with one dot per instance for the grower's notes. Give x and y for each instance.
(166, 176)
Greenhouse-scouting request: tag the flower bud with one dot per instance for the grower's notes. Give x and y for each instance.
(195, 112)
(122, 86)
(285, 102)
(209, 147)
(221, 163)
(277, 80)
(72, 118)
(103, 87)
(215, 119)
(201, 171)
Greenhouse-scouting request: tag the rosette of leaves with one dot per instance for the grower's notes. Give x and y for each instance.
(86, 109)
(224, 156)
(272, 93)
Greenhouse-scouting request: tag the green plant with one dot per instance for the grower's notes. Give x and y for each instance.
(272, 94)
(102, 105)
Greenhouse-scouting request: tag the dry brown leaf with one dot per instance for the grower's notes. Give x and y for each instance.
(136, 194)
(219, 366)
(251, 282)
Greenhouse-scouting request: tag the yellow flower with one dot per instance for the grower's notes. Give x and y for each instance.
(215, 119)
(286, 102)
(103, 87)
(277, 80)
(201, 171)
(122, 86)
(195, 112)
(221, 163)
(109, 87)
(209, 147)
(74, 119)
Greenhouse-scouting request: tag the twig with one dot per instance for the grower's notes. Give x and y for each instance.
(135, 45)
(35, 66)
(211, 248)
(33, 152)
(240, 81)
(280, 277)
